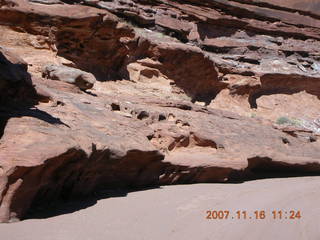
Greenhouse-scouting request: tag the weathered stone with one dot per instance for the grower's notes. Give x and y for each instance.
(83, 80)
(142, 128)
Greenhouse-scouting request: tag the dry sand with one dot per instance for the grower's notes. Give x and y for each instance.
(178, 212)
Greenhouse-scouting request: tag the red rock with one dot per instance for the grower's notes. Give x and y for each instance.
(145, 127)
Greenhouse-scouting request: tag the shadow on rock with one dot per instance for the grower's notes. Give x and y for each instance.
(18, 95)
(34, 112)
(74, 205)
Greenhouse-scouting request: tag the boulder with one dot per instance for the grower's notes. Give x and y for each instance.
(82, 79)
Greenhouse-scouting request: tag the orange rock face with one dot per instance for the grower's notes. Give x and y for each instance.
(186, 92)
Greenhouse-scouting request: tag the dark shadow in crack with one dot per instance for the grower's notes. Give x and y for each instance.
(3, 123)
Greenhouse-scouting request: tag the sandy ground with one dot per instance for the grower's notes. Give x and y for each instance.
(179, 212)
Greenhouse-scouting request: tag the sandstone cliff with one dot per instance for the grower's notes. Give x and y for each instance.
(186, 92)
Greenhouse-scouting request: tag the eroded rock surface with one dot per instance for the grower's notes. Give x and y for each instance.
(187, 91)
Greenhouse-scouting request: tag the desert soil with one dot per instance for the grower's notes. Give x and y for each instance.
(179, 212)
